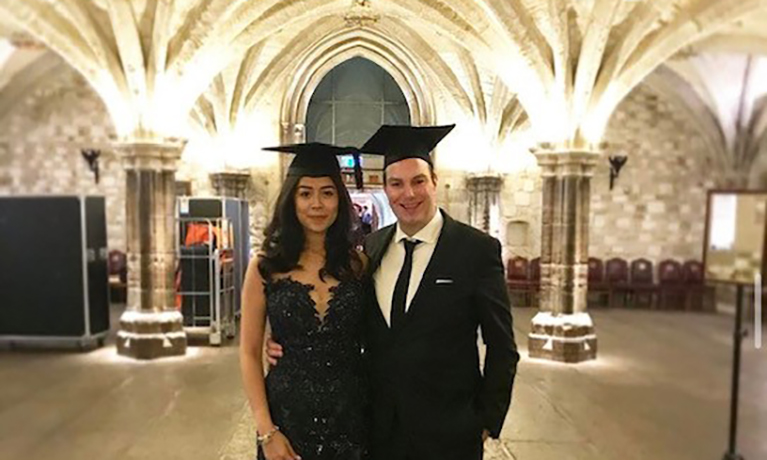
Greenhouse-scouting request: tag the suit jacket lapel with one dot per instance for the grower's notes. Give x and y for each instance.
(378, 246)
(439, 258)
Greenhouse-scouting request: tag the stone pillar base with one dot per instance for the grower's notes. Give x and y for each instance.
(150, 335)
(567, 338)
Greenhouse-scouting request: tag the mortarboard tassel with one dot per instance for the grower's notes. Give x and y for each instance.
(358, 179)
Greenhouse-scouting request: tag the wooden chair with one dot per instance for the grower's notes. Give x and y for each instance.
(700, 297)
(673, 292)
(597, 284)
(518, 279)
(117, 266)
(617, 277)
(642, 285)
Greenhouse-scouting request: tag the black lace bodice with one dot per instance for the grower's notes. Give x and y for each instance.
(317, 393)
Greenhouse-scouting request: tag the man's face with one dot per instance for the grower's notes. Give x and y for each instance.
(412, 193)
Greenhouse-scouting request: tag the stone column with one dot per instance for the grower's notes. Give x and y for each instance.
(485, 202)
(230, 184)
(563, 330)
(151, 326)
(293, 133)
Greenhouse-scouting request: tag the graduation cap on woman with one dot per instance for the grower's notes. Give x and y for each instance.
(399, 142)
(315, 159)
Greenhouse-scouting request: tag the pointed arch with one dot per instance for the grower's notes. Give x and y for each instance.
(327, 54)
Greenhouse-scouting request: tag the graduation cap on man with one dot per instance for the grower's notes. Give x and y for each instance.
(400, 142)
(315, 159)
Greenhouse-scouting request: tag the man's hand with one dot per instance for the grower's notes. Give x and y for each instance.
(273, 351)
(485, 435)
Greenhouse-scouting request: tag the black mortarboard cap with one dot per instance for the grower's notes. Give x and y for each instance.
(315, 159)
(399, 142)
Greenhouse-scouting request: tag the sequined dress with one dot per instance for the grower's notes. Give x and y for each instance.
(317, 393)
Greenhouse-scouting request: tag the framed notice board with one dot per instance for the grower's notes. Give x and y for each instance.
(736, 232)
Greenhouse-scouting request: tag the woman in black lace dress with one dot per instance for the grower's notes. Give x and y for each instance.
(307, 281)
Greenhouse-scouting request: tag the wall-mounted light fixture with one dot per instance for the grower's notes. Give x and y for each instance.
(92, 157)
(616, 163)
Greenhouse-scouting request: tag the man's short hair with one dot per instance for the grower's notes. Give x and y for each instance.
(432, 173)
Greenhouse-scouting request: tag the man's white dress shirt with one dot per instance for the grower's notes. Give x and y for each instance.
(386, 276)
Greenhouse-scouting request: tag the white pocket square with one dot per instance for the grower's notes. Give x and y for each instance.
(443, 281)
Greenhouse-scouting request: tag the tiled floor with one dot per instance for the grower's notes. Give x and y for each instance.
(660, 390)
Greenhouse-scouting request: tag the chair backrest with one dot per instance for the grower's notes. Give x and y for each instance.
(517, 268)
(535, 269)
(669, 272)
(616, 270)
(641, 271)
(692, 272)
(117, 264)
(596, 270)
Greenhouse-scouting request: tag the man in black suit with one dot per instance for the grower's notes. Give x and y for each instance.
(436, 282)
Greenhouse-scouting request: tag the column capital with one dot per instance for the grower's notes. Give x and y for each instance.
(158, 155)
(574, 162)
(484, 182)
(230, 183)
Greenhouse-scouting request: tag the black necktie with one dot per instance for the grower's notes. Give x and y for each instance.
(399, 299)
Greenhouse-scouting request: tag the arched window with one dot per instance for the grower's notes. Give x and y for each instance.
(352, 101)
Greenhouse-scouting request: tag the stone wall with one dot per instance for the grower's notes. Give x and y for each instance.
(657, 207)
(452, 194)
(40, 142)
(520, 206)
(262, 196)
(521, 222)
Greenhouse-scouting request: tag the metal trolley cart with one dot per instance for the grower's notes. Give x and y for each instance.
(236, 212)
(205, 278)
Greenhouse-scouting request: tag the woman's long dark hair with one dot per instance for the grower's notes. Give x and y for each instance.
(284, 237)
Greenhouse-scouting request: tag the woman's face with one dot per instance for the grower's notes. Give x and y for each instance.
(316, 203)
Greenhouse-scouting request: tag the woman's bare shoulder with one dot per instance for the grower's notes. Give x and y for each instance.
(254, 270)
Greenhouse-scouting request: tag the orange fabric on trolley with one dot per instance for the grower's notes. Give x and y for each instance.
(197, 233)
(200, 233)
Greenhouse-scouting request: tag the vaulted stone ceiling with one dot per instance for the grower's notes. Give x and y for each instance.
(734, 90)
(559, 66)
